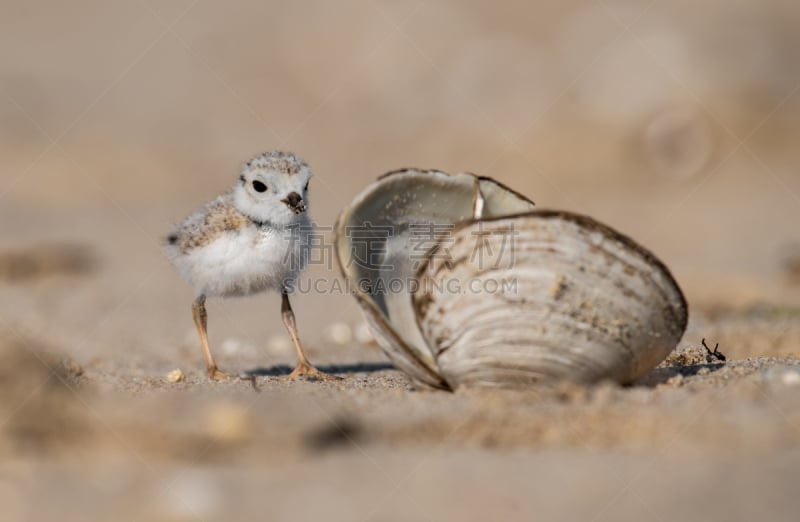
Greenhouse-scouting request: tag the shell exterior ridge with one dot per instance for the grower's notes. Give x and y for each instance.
(392, 195)
(560, 295)
(590, 223)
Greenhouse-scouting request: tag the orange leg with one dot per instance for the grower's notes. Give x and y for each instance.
(304, 367)
(200, 321)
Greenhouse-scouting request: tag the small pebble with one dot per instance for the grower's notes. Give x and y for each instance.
(72, 368)
(676, 381)
(363, 334)
(278, 345)
(339, 333)
(791, 378)
(604, 393)
(571, 392)
(190, 494)
(231, 347)
(781, 376)
(228, 422)
(176, 376)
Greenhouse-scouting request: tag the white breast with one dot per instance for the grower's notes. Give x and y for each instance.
(252, 259)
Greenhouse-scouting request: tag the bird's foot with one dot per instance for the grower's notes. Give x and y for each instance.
(307, 371)
(216, 375)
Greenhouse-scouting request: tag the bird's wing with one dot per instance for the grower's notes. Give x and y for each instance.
(204, 226)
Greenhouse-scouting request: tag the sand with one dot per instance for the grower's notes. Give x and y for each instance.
(695, 439)
(675, 123)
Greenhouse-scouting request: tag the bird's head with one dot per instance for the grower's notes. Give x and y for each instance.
(273, 187)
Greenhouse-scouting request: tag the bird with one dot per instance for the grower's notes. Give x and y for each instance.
(251, 239)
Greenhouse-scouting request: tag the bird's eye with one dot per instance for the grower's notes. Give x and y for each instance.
(305, 189)
(259, 187)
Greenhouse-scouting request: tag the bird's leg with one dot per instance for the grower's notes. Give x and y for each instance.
(304, 367)
(200, 321)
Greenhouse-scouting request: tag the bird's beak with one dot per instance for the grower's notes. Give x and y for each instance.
(295, 203)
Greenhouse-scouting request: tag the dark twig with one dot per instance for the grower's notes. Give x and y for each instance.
(715, 353)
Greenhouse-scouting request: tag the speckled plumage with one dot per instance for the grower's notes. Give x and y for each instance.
(252, 238)
(204, 226)
(243, 242)
(222, 252)
(277, 161)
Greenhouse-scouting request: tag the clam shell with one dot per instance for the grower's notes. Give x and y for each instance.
(573, 300)
(379, 250)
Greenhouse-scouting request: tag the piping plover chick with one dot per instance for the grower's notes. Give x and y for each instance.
(252, 238)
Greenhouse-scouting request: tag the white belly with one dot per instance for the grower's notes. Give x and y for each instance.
(247, 261)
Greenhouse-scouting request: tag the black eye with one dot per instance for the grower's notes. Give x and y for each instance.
(306, 187)
(260, 187)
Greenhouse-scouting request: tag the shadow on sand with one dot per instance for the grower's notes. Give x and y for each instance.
(333, 369)
(662, 375)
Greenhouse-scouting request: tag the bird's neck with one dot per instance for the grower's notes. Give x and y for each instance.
(266, 223)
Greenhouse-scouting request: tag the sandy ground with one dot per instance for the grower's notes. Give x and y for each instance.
(674, 123)
(93, 429)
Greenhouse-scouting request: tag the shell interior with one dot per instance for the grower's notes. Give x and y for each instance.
(387, 233)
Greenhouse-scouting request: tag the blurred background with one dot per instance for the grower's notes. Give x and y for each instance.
(676, 122)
